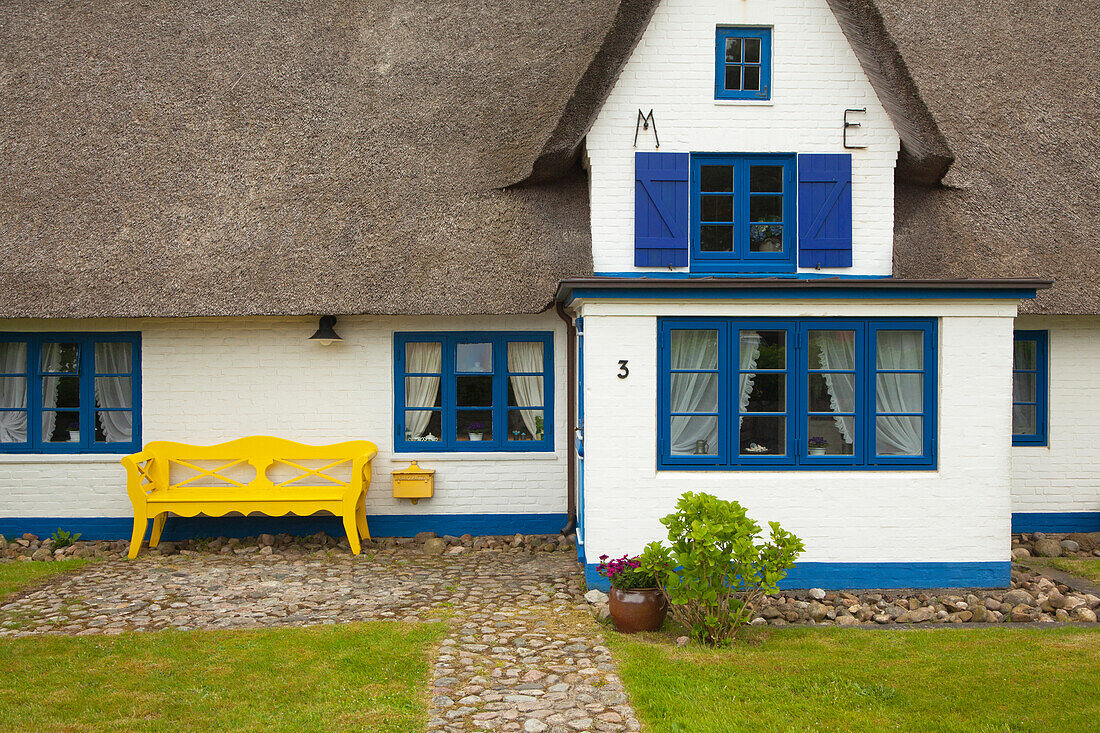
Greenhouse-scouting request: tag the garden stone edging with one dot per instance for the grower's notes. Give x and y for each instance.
(1033, 598)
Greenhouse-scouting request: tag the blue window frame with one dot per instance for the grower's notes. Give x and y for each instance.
(473, 391)
(743, 213)
(70, 392)
(743, 63)
(811, 393)
(1030, 388)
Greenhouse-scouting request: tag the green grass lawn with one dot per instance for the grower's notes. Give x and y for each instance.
(1083, 567)
(15, 576)
(1003, 680)
(365, 676)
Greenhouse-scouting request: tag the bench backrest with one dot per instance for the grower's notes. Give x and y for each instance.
(260, 462)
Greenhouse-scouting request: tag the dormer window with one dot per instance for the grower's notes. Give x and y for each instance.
(743, 212)
(743, 61)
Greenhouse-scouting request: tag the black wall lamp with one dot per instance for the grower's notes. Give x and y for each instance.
(326, 332)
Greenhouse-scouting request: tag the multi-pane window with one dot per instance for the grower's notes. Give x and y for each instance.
(1029, 388)
(771, 393)
(70, 393)
(743, 212)
(742, 63)
(473, 391)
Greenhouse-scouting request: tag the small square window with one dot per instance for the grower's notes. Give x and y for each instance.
(742, 65)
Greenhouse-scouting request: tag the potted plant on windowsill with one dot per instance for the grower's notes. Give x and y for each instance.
(475, 430)
(635, 602)
(816, 445)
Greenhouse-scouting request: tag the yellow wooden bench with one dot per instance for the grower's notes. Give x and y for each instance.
(234, 477)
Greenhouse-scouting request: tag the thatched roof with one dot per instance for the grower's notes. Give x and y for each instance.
(192, 157)
(1015, 89)
(188, 157)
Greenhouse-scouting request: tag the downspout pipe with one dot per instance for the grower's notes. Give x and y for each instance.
(571, 388)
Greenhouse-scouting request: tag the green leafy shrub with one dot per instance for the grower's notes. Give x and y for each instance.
(716, 570)
(61, 538)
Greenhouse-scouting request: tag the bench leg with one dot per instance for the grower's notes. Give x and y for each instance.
(140, 522)
(351, 530)
(158, 528)
(361, 517)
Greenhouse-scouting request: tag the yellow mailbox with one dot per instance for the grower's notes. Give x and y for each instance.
(413, 483)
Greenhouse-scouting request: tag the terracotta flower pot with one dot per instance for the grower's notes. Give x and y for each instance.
(641, 609)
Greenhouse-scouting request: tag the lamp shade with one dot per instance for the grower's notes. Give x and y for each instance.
(326, 332)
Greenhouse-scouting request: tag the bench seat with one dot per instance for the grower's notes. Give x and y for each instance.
(215, 480)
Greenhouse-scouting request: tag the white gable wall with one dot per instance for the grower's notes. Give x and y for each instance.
(815, 77)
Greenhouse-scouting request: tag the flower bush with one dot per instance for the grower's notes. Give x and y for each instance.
(626, 573)
(717, 567)
(817, 442)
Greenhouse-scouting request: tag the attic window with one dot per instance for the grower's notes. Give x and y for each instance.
(742, 63)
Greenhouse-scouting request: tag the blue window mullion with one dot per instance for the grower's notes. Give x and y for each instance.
(86, 414)
(448, 389)
(501, 378)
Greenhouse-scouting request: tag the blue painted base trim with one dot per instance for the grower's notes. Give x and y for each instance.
(875, 575)
(1056, 522)
(381, 525)
(672, 275)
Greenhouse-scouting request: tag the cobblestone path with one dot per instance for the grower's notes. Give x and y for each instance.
(523, 654)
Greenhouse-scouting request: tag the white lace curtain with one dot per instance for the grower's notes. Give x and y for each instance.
(526, 357)
(13, 393)
(698, 391)
(421, 391)
(899, 435)
(51, 361)
(837, 350)
(115, 392)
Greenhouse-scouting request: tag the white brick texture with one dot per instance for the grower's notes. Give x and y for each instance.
(815, 77)
(210, 380)
(1064, 475)
(959, 512)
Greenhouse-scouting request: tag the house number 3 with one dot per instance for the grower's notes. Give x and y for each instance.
(624, 372)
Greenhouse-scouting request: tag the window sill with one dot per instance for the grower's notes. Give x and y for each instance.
(725, 472)
(744, 103)
(60, 457)
(438, 456)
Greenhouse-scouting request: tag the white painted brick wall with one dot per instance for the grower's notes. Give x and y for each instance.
(959, 512)
(815, 76)
(1064, 475)
(210, 380)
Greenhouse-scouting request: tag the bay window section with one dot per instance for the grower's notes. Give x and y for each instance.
(770, 394)
(473, 391)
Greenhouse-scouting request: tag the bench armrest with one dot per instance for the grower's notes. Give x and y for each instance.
(139, 478)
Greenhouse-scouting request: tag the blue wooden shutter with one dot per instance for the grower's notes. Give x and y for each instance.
(825, 210)
(661, 209)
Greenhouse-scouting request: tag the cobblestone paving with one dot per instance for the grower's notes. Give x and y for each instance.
(523, 654)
